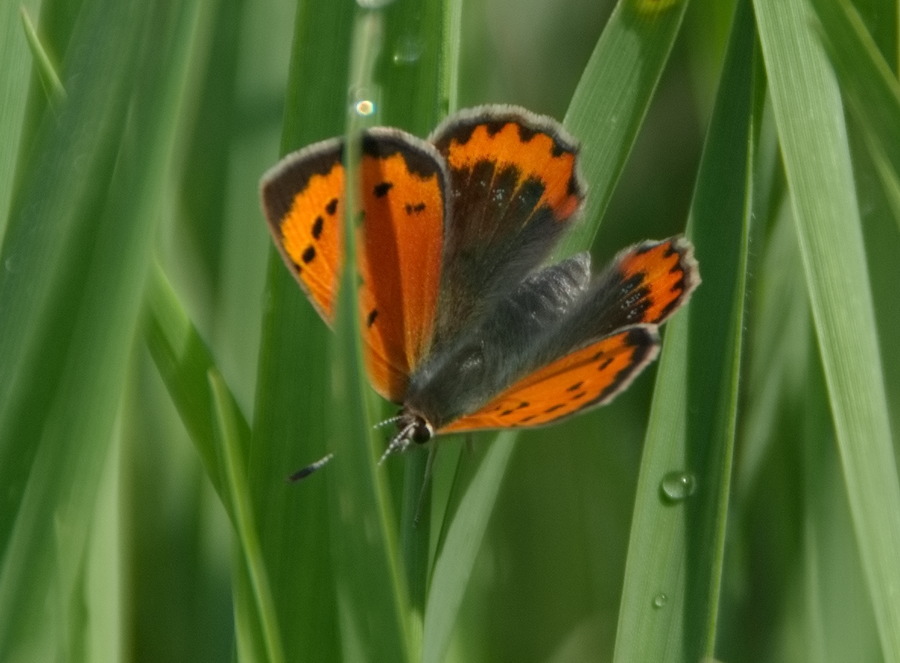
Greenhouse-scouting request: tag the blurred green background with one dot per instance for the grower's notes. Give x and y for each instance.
(136, 265)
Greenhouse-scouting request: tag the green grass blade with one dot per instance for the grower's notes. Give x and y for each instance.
(410, 72)
(611, 100)
(184, 362)
(456, 557)
(372, 599)
(15, 56)
(293, 393)
(674, 568)
(229, 431)
(811, 129)
(46, 69)
(78, 318)
(413, 73)
(870, 88)
(406, 69)
(838, 620)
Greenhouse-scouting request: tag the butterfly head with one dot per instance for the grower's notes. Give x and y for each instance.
(411, 427)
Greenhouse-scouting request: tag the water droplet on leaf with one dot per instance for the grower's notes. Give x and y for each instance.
(678, 486)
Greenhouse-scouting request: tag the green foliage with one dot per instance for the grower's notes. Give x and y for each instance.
(161, 375)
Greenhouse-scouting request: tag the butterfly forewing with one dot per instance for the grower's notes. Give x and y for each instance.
(402, 198)
(303, 202)
(514, 187)
(403, 202)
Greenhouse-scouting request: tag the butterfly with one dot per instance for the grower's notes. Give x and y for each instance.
(463, 324)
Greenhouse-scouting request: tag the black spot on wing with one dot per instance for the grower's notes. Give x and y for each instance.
(380, 190)
(493, 128)
(291, 178)
(418, 162)
(526, 134)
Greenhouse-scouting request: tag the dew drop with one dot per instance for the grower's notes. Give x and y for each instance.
(363, 100)
(364, 107)
(660, 600)
(373, 4)
(678, 486)
(408, 51)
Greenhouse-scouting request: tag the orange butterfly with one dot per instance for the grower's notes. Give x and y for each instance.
(462, 325)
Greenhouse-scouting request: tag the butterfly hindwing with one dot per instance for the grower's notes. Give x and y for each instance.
(588, 377)
(514, 188)
(645, 283)
(402, 197)
(532, 359)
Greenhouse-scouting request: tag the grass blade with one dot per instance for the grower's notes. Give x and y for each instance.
(611, 100)
(15, 56)
(372, 599)
(674, 568)
(78, 313)
(228, 431)
(184, 362)
(809, 116)
(47, 71)
(453, 566)
(293, 392)
(870, 87)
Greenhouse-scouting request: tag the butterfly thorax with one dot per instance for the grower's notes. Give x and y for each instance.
(445, 386)
(459, 377)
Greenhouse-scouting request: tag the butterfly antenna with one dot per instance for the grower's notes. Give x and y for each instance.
(309, 469)
(399, 442)
(382, 424)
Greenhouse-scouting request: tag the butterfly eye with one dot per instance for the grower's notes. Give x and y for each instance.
(422, 432)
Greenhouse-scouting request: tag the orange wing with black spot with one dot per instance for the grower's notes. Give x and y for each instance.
(658, 277)
(514, 188)
(586, 378)
(303, 200)
(403, 204)
(645, 283)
